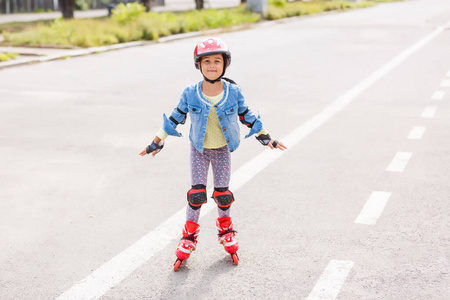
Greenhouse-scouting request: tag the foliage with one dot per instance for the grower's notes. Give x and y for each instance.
(277, 3)
(82, 4)
(20, 26)
(131, 23)
(42, 10)
(7, 56)
(124, 13)
(311, 7)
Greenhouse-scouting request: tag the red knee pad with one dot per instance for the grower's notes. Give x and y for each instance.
(223, 199)
(196, 198)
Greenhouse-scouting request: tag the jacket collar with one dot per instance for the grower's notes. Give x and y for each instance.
(226, 88)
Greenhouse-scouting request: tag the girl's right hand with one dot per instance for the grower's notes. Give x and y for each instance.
(157, 144)
(144, 152)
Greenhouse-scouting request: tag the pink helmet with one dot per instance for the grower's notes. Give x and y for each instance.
(211, 46)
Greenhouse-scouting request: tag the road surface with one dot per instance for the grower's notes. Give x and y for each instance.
(357, 208)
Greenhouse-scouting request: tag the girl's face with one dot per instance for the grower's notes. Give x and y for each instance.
(212, 66)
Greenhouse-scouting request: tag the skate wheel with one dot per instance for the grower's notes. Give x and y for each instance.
(177, 264)
(235, 258)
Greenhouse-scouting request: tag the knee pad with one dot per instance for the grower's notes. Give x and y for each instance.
(223, 198)
(196, 196)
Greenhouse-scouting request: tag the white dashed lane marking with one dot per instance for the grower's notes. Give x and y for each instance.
(416, 133)
(429, 112)
(373, 208)
(438, 95)
(330, 283)
(398, 164)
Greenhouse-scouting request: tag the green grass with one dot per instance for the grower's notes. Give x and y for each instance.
(145, 26)
(279, 9)
(21, 26)
(131, 23)
(7, 56)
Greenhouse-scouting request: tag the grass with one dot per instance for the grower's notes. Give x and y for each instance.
(145, 26)
(279, 9)
(21, 26)
(131, 23)
(7, 56)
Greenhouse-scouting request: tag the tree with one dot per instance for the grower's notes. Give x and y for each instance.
(67, 7)
(147, 5)
(199, 4)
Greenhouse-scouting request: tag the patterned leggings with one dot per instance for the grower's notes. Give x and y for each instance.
(220, 160)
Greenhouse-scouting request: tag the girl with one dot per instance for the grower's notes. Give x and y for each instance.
(214, 105)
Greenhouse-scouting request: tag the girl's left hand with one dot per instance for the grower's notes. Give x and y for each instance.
(278, 145)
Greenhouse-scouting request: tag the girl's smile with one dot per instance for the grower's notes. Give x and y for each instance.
(212, 66)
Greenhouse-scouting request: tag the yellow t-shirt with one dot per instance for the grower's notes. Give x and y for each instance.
(214, 137)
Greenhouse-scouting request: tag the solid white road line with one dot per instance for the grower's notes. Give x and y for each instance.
(330, 283)
(429, 112)
(398, 164)
(119, 267)
(445, 83)
(416, 133)
(373, 208)
(438, 95)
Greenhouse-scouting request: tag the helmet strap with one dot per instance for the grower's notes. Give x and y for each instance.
(212, 81)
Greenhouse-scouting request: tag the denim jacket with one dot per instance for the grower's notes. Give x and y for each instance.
(229, 109)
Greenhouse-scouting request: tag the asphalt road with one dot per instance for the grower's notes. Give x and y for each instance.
(357, 208)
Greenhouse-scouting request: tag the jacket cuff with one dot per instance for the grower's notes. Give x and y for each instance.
(257, 127)
(169, 128)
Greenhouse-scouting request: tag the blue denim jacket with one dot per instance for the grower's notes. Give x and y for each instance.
(230, 109)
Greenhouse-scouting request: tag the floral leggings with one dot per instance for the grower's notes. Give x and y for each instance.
(220, 160)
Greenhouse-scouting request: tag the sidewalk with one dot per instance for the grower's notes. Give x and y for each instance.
(32, 55)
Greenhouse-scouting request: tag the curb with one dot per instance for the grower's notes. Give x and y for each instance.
(95, 50)
(72, 53)
(175, 37)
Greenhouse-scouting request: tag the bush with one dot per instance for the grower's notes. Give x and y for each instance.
(42, 10)
(125, 13)
(81, 4)
(131, 23)
(277, 3)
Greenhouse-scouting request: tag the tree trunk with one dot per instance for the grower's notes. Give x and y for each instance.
(243, 1)
(67, 7)
(147, 4)
(199, 4)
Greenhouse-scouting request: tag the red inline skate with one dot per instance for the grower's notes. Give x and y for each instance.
(187, 244)
(226, 237)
